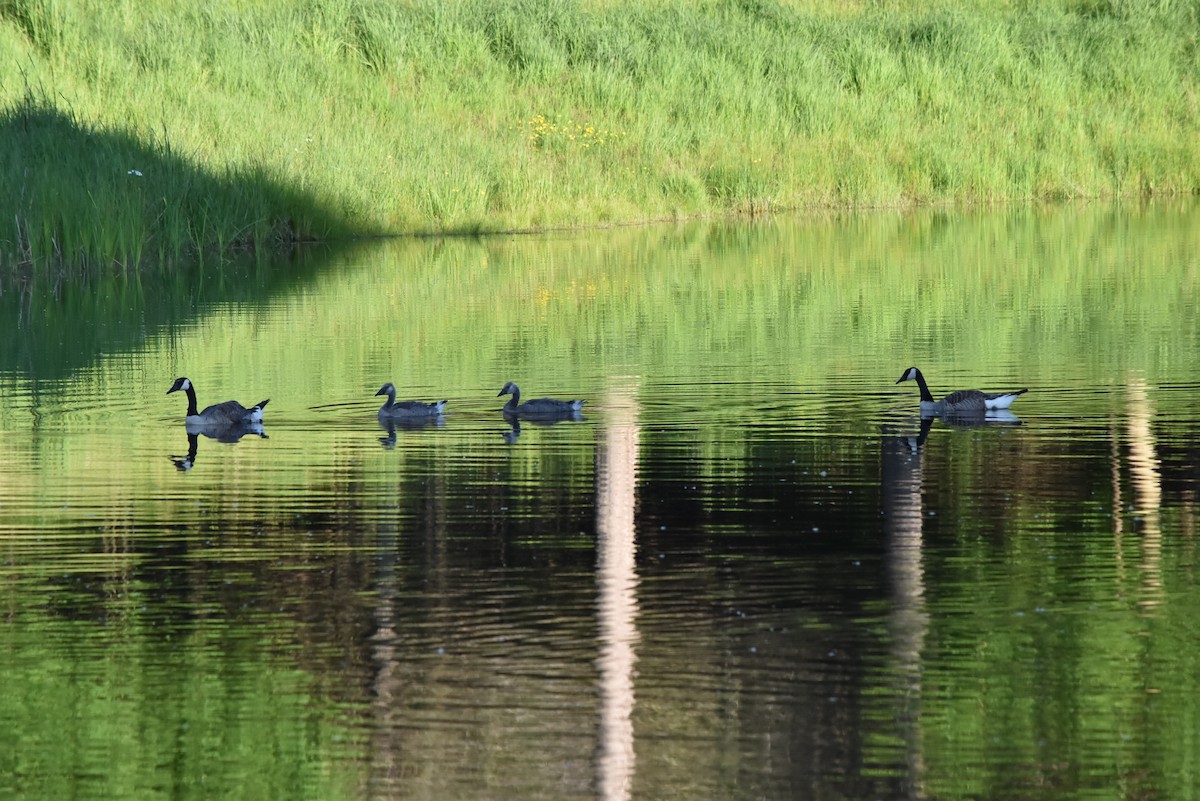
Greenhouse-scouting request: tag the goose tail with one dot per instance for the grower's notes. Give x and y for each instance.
(255, 413)
(1003, 401)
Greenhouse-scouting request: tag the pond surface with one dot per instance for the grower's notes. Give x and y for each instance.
(749, 571)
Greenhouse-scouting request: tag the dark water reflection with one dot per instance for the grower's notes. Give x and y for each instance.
(736, 576)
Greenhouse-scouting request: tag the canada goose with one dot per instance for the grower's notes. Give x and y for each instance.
(539, 407)
(406, 408)
(963, 400)
(229, 413)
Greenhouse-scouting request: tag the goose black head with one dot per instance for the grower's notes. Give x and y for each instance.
(181, 385)
(909, 375)
(386, 389)
(509, 389)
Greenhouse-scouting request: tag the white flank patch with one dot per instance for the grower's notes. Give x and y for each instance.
(1002, 402)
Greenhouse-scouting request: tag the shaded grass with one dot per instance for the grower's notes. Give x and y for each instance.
(83, 196)
(428, 117)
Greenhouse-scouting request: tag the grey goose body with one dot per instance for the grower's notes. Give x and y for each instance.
(405, 409)
(538, 407)
(225, 414)
(962, 400)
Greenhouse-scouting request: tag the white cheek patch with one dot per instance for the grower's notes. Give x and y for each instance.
(186, 384)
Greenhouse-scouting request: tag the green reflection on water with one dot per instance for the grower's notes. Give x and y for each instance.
(193, 616)
(123, 705)
(1034, 291)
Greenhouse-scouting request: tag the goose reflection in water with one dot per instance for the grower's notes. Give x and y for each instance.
(393, 424)
(958, 419)
(184, 463)
(912, 442)
(543, 420)
(978, 419)
(228, 434)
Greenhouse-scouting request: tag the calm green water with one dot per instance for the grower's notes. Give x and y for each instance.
(748, 572)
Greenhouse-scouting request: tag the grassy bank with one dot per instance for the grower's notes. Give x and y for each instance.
(270, 122)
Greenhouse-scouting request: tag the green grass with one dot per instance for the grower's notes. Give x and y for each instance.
(271, 122)
(86, 196)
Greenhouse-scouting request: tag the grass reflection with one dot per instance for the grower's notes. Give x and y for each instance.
(817, 604)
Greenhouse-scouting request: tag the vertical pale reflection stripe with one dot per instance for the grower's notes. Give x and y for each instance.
(386, 753)
(1118, 503)
(908, 621)
(1147, 491)
(616, 601)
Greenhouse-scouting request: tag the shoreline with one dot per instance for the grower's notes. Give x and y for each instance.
(159, 135)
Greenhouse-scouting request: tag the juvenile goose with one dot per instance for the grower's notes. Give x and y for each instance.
(963, 400)
(539, 407)
(406, 408)
(229, 413)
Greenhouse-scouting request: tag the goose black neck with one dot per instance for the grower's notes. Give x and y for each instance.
(925, 393)
(391, 399)
(514, 400)
(191, 393)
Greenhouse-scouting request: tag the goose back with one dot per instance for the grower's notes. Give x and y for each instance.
(538, 407)
(965, 400)
(392, 408)
(233, 412)
(225, 413)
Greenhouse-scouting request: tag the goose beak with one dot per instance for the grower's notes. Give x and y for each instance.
(900, 379)
(498, 394)
(172, 389)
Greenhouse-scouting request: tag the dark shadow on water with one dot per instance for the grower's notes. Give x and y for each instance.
(58, 328)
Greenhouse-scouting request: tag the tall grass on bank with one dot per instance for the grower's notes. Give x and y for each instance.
(328, 117)
(86, 196)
